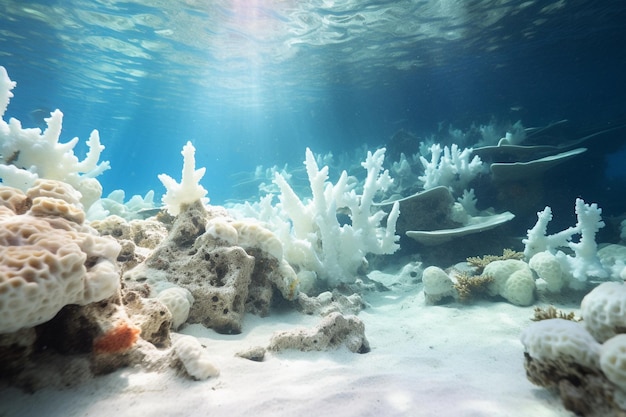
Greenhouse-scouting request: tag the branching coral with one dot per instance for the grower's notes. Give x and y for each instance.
(578, 240)
(27, 154)
(316, 241)
(450, 167)
(480, 262)
(469, 286)
(551, 312)
(189, 190)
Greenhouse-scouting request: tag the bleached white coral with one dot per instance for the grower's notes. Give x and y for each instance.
(603, 310)
(613, 360)
(515, 135)
(178, 301)
(316, 241)
(194, 358)
(6, 85)
(537, 238)
(548, 269)
(48, 259)
(554, 339)
(450, 167)
(189, 190)
(585, 263)
(437, 284)
(512, 279)
(114, 204)
(28, 153)
(468, 201)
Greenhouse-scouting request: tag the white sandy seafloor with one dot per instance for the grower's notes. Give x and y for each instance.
(446, 360)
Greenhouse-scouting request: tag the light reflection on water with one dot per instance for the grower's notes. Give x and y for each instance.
(239, 50)
(255, 82)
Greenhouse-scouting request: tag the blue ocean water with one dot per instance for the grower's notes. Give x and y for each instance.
(255, 82)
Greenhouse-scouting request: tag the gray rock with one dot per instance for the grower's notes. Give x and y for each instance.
(333, 331)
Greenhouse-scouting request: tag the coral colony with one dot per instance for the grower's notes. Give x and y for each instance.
(106, 283)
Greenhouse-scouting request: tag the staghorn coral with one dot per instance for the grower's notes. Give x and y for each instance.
(480, 262)
(551, 312)
(469, 286)
(28, 154)
(189, 190)
(315, 242)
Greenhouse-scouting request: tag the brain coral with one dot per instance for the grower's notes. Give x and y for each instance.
(48, 258)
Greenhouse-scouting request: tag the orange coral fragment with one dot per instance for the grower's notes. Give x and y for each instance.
(119, 339)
